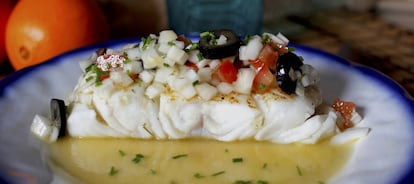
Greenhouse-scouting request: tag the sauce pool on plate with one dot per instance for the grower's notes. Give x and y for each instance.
(111, 160)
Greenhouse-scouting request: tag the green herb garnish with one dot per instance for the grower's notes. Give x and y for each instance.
(146, 42)
(166, 64)
(262, 182)
(179, 156)
(198, 175)
(246, 39)
(242, 182)
(206, 33)
(264, 166)
(211, 35)
(153, 172)
(127, 60)
(299, 170)
(196, 82)
(89, 78)
(113, 171)
(200, 56)
(171, 43)
(237, 160)
(321, 182)
(218, 173)
(262, 86)
(193, 46)
(266, 38)
(138, 158)
(291, 49)
(122, 153)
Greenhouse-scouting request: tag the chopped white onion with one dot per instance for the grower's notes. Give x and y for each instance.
(206, 91)
(244, 81)
(349, 135)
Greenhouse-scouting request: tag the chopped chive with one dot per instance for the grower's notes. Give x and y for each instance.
(226, 150)
(291, 49)
(242, 182)
(138, 158)
(262, 86)
(266, 38)
(262, 182)
(113, 171)
(236, 160)
(193, 46)
(321, 182)
(89, 78)
(166, 64)
(299, 170)
(153, 172)
(203, 34)
(122, 153)
(246, 39)
(264, 166)
(196, 82)
(218, 173)
(127, 60)
(179, 156)
(171, 43)
(146, 42)
(173, 182)
(198, 175)
(89, 68)
(199, 56)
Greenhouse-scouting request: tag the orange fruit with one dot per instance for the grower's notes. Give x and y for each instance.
(5, 10)
(39, 30)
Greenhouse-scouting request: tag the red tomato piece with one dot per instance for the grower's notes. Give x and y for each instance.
(192, 66)
(104, 76)
(258, 64)
(345, 109)
(263, 80)
(227, 72)
(182, 38)
(268, 56)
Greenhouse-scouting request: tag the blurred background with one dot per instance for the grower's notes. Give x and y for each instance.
(376, 33)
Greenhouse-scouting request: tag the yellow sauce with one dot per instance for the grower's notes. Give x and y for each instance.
(199, 161)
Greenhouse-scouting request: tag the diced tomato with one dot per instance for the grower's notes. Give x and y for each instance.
(133, 76)
(263, 80)
(227, 72)
(268, 56)
(104, 76)
(192, 66)
(345, 109)
(182, 38)
(257, 64)
(240, 64)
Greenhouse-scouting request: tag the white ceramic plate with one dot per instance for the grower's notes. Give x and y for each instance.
(385, 156)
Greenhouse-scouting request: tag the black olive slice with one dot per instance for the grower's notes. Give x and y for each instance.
(58, 115)
(210, 50)
(286, 64)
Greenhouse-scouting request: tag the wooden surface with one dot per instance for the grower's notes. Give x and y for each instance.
(363, 38)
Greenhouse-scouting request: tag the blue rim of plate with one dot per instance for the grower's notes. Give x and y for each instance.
(396, 89)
